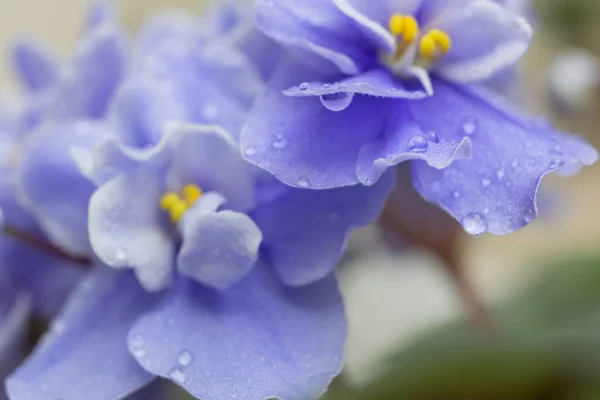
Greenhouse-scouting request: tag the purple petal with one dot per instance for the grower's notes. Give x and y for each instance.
(219, 248)
(486, 39)
(87, 85)
(372, 17)
(207, 156)
(306, 145)
(52, 185)
(376, 82)
(254, 341)
(308, 246)
(85, 355)
(322, 35)
(15, 309)
(495, 191)
(128, 229)
(99, 12)
(35, 66)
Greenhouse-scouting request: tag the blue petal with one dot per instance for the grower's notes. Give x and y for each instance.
(36, 67)
(376, 82)
(52, 185)
(308, 246)
(255, 341)
(319, 32)
(306, 145)
(128, 229)
(494, 191)
(85, 355)
(87, 85)
(15, 309)
(219, 248)
(486, 39)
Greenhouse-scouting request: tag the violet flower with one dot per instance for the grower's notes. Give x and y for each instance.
(377, 83)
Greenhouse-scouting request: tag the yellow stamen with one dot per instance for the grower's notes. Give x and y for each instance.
(396, 24)
(427, 48)
(177, 211)
(442, 39)
(433, 44)
(169, 200)
(191, 193)
(405, 26)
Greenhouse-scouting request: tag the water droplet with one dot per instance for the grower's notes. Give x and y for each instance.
(469, 126)
(475, 223)
(304, 86)
(139, 352)
(337, 101)
(326, 86)
(556, 163)
(177, 375)
(250, 151)
(185, 358)
(417, 144)
(279, 143)
(500, 174)
(121, 255)
(432, 137)
(303, 183)
(515, 163)
(529, 215)
(136, 346)
(486, 182)
(456, 194)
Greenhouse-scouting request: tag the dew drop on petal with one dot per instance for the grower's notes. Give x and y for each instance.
(475, 223)
(500, 174)
(279, 143)
(121, 255)
(337, 101)
(418, 144)
(529, 215)
(304, 86)
(250, 150)
(515, 163)
(303, 182)
(556, 163)
(469, 126)
(177, 375)
(432, 137)
(326, 86)
(486, 182)
(185, 358)
(456, 194)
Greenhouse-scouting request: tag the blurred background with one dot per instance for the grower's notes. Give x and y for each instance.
(540, 283)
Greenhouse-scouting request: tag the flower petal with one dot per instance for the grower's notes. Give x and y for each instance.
(372, 17)
(219, 248)
(495, 190)
(128, 230)
(308, 246)
(87, 85)
(34, 64)
(318, 31)
(486, 39)
(254, 341)
(52, 186)
(376, 82)
(208, 156)
(306, 145)
(85, 355)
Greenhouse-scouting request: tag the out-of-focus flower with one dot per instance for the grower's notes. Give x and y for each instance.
(381, 83)
(572, 78)
(235, 295)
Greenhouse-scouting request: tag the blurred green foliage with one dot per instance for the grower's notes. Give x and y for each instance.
(572, 21)
(546, 346)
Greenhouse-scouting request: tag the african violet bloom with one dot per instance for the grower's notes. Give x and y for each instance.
(232, 292)
(382, 82)
(251, 307)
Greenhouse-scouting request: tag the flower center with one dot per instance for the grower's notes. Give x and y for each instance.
(431, 46)
(176, 204)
